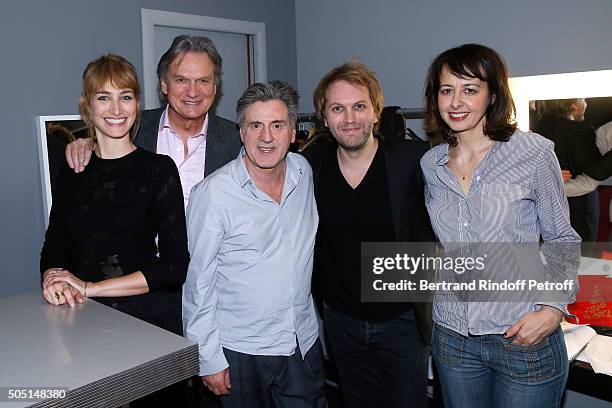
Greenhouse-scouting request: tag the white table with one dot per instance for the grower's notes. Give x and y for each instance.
(103, 357)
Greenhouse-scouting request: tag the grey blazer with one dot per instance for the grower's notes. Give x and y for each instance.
(222, 140)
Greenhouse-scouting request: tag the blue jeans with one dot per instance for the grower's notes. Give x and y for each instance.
(380, 364)
(489, 371)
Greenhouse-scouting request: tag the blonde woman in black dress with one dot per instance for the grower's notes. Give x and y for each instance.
(101, 241)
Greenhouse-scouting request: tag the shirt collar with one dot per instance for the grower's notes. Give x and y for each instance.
(293, 170)
(164, 123)
(240, 171)
(442, 153)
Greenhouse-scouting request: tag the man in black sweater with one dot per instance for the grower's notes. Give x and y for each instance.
(367, 190)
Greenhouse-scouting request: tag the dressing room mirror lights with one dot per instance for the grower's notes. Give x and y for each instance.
(589, 84)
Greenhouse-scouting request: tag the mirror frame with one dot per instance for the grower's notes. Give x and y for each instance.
(589, 84)
(43, 158)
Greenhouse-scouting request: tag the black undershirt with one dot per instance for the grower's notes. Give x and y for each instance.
(348, 217)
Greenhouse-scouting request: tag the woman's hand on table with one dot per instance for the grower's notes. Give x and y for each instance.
(534, 327)
(60, 287)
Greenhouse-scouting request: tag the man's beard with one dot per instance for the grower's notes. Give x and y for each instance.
(359, 142)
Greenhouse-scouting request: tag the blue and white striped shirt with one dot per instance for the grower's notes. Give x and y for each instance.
(516, 196)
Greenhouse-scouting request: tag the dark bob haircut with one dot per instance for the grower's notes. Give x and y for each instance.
(472, 61)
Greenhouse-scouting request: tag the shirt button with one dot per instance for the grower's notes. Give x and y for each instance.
(465, 224)
(478, 178)
(115, 305)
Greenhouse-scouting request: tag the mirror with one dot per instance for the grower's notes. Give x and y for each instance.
(598, 112)
(589, 84)
(596, 87)
(54, 133)
(572, 124)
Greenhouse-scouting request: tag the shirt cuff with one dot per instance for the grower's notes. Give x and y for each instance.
(214, 365)
(557, 305)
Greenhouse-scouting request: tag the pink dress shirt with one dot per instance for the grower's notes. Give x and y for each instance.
(191, 163)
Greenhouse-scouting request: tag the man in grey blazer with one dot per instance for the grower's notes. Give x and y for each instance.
(222, 144)
(189, 73)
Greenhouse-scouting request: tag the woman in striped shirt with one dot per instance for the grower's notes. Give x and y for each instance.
(491, 184)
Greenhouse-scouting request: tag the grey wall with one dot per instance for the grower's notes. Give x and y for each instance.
(399, 38)
(45, 46)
